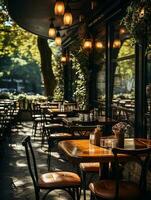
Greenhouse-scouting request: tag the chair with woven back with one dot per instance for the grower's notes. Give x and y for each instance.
(68, 181)
(118, 188)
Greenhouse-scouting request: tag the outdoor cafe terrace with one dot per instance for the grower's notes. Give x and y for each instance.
(75, 100)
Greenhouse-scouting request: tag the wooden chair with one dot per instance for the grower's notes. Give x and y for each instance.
(122, 189)
(67, 181)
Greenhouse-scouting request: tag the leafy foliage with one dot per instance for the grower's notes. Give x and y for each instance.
(137, 20)
(19, 55)
(58, 71)
(80, 74)
(15, 40)
(125, 70)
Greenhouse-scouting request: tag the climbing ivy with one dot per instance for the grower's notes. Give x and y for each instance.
(80, 74)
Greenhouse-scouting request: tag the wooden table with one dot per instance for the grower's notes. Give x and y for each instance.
(107, 123)
(100, 121)
(57, 111)
(77, 151)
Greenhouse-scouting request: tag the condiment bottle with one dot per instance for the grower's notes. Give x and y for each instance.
(97, 135)
(120, 139)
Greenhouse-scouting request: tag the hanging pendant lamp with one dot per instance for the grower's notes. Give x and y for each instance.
(67, 18)
(59, 7)
(52, 30)
(58, 39)
(88, 42)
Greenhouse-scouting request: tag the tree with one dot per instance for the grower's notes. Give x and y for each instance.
(18, 43)
(46, 66)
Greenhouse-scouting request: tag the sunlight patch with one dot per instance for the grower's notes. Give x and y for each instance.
(20, 163)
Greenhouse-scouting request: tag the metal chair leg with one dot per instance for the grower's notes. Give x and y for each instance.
(49, 156)
(83, 176)
(77, 194)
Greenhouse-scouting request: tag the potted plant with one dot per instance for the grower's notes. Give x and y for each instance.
(138, 21)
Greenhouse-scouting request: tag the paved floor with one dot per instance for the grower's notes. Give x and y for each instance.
(15, 182)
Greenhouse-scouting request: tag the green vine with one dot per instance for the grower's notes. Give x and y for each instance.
(138, 21)
(80, 74)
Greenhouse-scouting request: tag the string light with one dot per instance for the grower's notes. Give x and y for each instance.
(87, 44)
(63, 59)
(122, 30)
(98, 45)
(142, 12)
(116, 43)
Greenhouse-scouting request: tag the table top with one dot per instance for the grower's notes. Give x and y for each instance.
(57, 110)
(77, 151)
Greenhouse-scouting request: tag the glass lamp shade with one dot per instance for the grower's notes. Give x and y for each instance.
(59, 8)
(98, 45)
(52, 32)
(116, 43)
(67, 18)
(58, 40)
(87, 44)
(63, 59)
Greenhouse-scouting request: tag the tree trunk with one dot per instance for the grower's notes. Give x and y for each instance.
(46, 67)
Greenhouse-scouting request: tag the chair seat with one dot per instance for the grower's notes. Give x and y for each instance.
(62, 115)
(38, 119)
(58, 179)
(53, 125)
(106, 190)
(60, 135)
(36, 116)
(90, 167)
(48, 116)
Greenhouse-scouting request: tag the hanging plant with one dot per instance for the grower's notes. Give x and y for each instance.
(138, 21)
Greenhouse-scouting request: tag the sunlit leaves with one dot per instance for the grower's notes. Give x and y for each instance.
(57, 70)
(16, 41)
(80, 74)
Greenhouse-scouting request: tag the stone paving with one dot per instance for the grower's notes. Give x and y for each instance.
(15, 181)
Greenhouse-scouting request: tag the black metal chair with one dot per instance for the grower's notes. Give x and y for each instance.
(68, 181)
(87, 168)
(119, 189)
(57, 133)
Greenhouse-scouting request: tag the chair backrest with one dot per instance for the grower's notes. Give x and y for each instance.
(140, 156)
(31, 160)
(36, 109)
